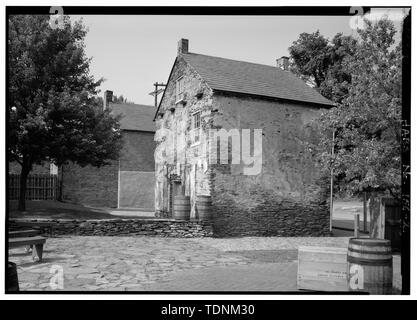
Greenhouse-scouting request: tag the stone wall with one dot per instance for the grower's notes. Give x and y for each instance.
(175, 132)
(126, 227)
(272, 218)
(288, 197)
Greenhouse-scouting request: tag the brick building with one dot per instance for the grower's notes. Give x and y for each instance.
(127, 182)
(206, 93)
(46, 168)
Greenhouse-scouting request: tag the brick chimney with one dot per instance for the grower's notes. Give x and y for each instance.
(182, 46)
(283, 63)
(108, 97)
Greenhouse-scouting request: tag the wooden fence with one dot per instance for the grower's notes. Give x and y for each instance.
(385, 214)
(38, 187)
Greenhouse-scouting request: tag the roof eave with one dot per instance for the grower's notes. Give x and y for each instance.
(316, 104)
(138, 130)
(163, 94)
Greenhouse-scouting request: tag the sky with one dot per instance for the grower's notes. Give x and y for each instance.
(133, 52)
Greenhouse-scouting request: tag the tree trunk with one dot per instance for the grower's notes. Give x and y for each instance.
(22, 194)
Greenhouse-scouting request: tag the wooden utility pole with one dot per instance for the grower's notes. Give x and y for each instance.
(356, 220)
(331, 185)
(365, 212)
(157, 91)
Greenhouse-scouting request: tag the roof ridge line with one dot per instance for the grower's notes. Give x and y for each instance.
(307, 93)
(196, 71)
(287, 72)
(133, 104)
(217, 57)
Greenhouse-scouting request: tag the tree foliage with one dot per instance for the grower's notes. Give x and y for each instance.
(367, 123)
(53, 114)
(121, 99)
(321, 62)
(309, 54)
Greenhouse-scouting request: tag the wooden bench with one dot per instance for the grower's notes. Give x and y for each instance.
(39, 225)
(23, 233)
(37, 243)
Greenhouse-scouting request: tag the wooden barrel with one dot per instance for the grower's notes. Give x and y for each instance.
(369, 265)
(182, 207)
(12, 280)
(203, 206)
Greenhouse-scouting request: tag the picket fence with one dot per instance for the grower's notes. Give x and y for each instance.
(38, 187)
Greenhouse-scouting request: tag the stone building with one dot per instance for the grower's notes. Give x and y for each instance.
(204, 94)
(127, 182)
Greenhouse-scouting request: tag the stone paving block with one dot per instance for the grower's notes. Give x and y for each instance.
(140, 263)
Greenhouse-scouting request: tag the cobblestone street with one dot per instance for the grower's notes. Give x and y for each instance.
(166, 264)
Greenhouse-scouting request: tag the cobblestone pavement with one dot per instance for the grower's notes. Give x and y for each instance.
(115, 263)
(253, 277)
(166, 264)
(272, 243)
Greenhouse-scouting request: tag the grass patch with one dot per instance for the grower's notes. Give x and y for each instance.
(43, 209)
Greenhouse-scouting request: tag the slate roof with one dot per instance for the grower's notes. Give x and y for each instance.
(251, 78)
(136, 117)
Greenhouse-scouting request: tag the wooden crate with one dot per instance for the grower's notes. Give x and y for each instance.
(322, 268)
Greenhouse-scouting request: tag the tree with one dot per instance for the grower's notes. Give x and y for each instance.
(119, 99)
(336, 83)
(53, 114)
(367, 124)
(310, 56)
(321, 62)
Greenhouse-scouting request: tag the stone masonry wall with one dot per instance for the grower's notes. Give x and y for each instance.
(173, 121)
(125, 227)
(269, 218)
(287, 198)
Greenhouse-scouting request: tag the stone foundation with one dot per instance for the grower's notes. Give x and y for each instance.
(125, 227)
(269, 220)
